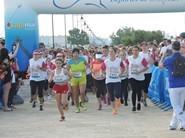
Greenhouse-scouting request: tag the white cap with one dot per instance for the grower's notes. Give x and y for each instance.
(98, 56)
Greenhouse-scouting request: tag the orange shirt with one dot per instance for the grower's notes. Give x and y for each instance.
(97, 70)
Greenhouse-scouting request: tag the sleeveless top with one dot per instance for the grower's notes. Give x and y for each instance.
(60, 77)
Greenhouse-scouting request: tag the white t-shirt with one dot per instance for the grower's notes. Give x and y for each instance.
(36, 74)
(147, 56)
(163, 50)
(113, 70)
(135, 65)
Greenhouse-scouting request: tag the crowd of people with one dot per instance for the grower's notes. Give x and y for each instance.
(109, 71)
(9, 75)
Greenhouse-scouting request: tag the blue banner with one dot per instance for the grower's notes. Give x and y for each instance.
(21, 24)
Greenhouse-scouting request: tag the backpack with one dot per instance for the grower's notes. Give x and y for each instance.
(179, 67)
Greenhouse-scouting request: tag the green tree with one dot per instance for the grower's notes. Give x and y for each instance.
(130, 36)
(77, 37)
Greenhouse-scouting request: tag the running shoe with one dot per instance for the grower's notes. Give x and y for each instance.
(145, 103)
(100, 107)
(83, 106)
(134, 109)
(126, 103)
(62, 118)
(49, 97)
(182, 129)
(77, 110)
(114, 111)
(172, 128)
(34, 105)
(138, 106)
(41, 107)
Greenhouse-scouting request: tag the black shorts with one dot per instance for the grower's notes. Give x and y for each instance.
(46, 85)
(146, 82)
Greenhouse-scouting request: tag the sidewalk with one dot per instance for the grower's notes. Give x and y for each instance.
(26, 122)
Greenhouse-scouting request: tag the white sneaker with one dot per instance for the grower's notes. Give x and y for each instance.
(49, 97)
(172, 128)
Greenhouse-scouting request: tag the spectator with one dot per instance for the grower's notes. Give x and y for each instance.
(176, 87)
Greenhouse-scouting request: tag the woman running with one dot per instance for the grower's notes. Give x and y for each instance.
(114, 68)
(148, 73)
(60, 77)
(137, 65)
(99, 77)
(37, 79)
(77, 68)
(124, 78)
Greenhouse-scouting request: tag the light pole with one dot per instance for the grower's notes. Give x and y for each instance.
(81, 21)
(72, 21)
(65, 31)
(53, 31)
(77, 21)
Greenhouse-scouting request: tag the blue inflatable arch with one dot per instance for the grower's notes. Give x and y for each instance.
(21, 20)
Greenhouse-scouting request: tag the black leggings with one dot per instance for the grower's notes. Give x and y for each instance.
(136, 90)
(124, 89)
(114, 90)
(37, 85)
(101, 88)
(89, 81)
(147, 82)
(12, 93)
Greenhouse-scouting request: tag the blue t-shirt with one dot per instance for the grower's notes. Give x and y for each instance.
(174, 82)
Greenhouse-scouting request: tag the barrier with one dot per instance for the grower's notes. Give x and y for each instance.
(158, 89)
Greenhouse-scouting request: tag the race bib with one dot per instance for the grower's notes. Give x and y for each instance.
(59, 79)
(98, 75)
(114, 73)
(77, 74)
(134, 69)
(35, 75)
(124, 75)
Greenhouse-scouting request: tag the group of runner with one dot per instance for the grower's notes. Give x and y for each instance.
(110, 70)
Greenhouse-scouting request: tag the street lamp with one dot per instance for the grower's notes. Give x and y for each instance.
(72, 21)
(53, 33)
(65, 31)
